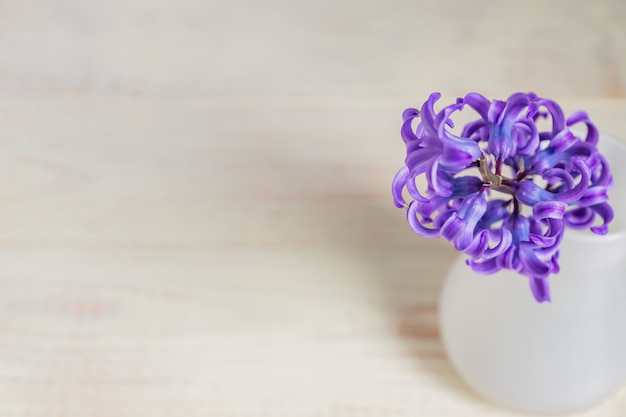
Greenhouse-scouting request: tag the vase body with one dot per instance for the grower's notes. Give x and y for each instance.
(553, 357)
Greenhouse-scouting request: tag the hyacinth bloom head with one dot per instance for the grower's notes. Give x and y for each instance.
(504, 189)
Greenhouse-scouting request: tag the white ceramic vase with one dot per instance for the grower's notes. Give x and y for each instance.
(553, 357)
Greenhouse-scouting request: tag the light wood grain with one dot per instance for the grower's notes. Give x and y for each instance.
(196, 216)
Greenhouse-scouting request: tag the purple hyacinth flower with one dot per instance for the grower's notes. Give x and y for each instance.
(559, 176)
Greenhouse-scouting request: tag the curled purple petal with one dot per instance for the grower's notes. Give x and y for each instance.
(509, 259)
(407, 133)
(554, 175)
(528, 137)
(458, 152)
(443, 218)
(478, 130)
(399, 180)
(558, 117)
(593, 196)
(580, 218)
(479, 103)
(453, 227)
(605, 211)
(604, 177)
(530, 193)
(592, 130)
(459, 228)
(489, 266)
(421, 157)
(532, 264)
(562, 141)
(419, 228)
(540, 289)
(411, 187)
(428, 115)
(476, 246)
(495, 110)
(460, 155)
(433, 180)
(549, 210)
(506, 239)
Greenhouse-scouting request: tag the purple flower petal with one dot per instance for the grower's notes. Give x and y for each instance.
(540, 240)
(442, 218)
(489, 266)
(527, 130)
(540, 289)
(411, 187)
(421, 159)
(531, 262)
(554, 175)
(548, 158)
(458, 152)
(604, 177)
(411, 215)
(478, 130)
(453, 227)
(605, 211)
(428, 115)
(433, 180)
(549, 210)
(563, 141)
(558, 117)
(399, 180)
(530, 193)
(592, 131)
(495, 110)
(460, 155)
(476, 246)
(556, 268)
(509, 259)
(496, 211)
(479, 103)
(407, 133)
(593, 196)
(579, 218)
(505, 243)
(459, 228)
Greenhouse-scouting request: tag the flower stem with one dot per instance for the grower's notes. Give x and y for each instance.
(494, 181)
(516, 207)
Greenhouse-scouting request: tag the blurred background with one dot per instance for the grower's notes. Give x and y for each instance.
(196, 217)
(557, 48)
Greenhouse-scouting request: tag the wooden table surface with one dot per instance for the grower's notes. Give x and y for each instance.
(196, 217)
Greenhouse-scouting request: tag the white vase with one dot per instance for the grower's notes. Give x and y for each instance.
(553, 357)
